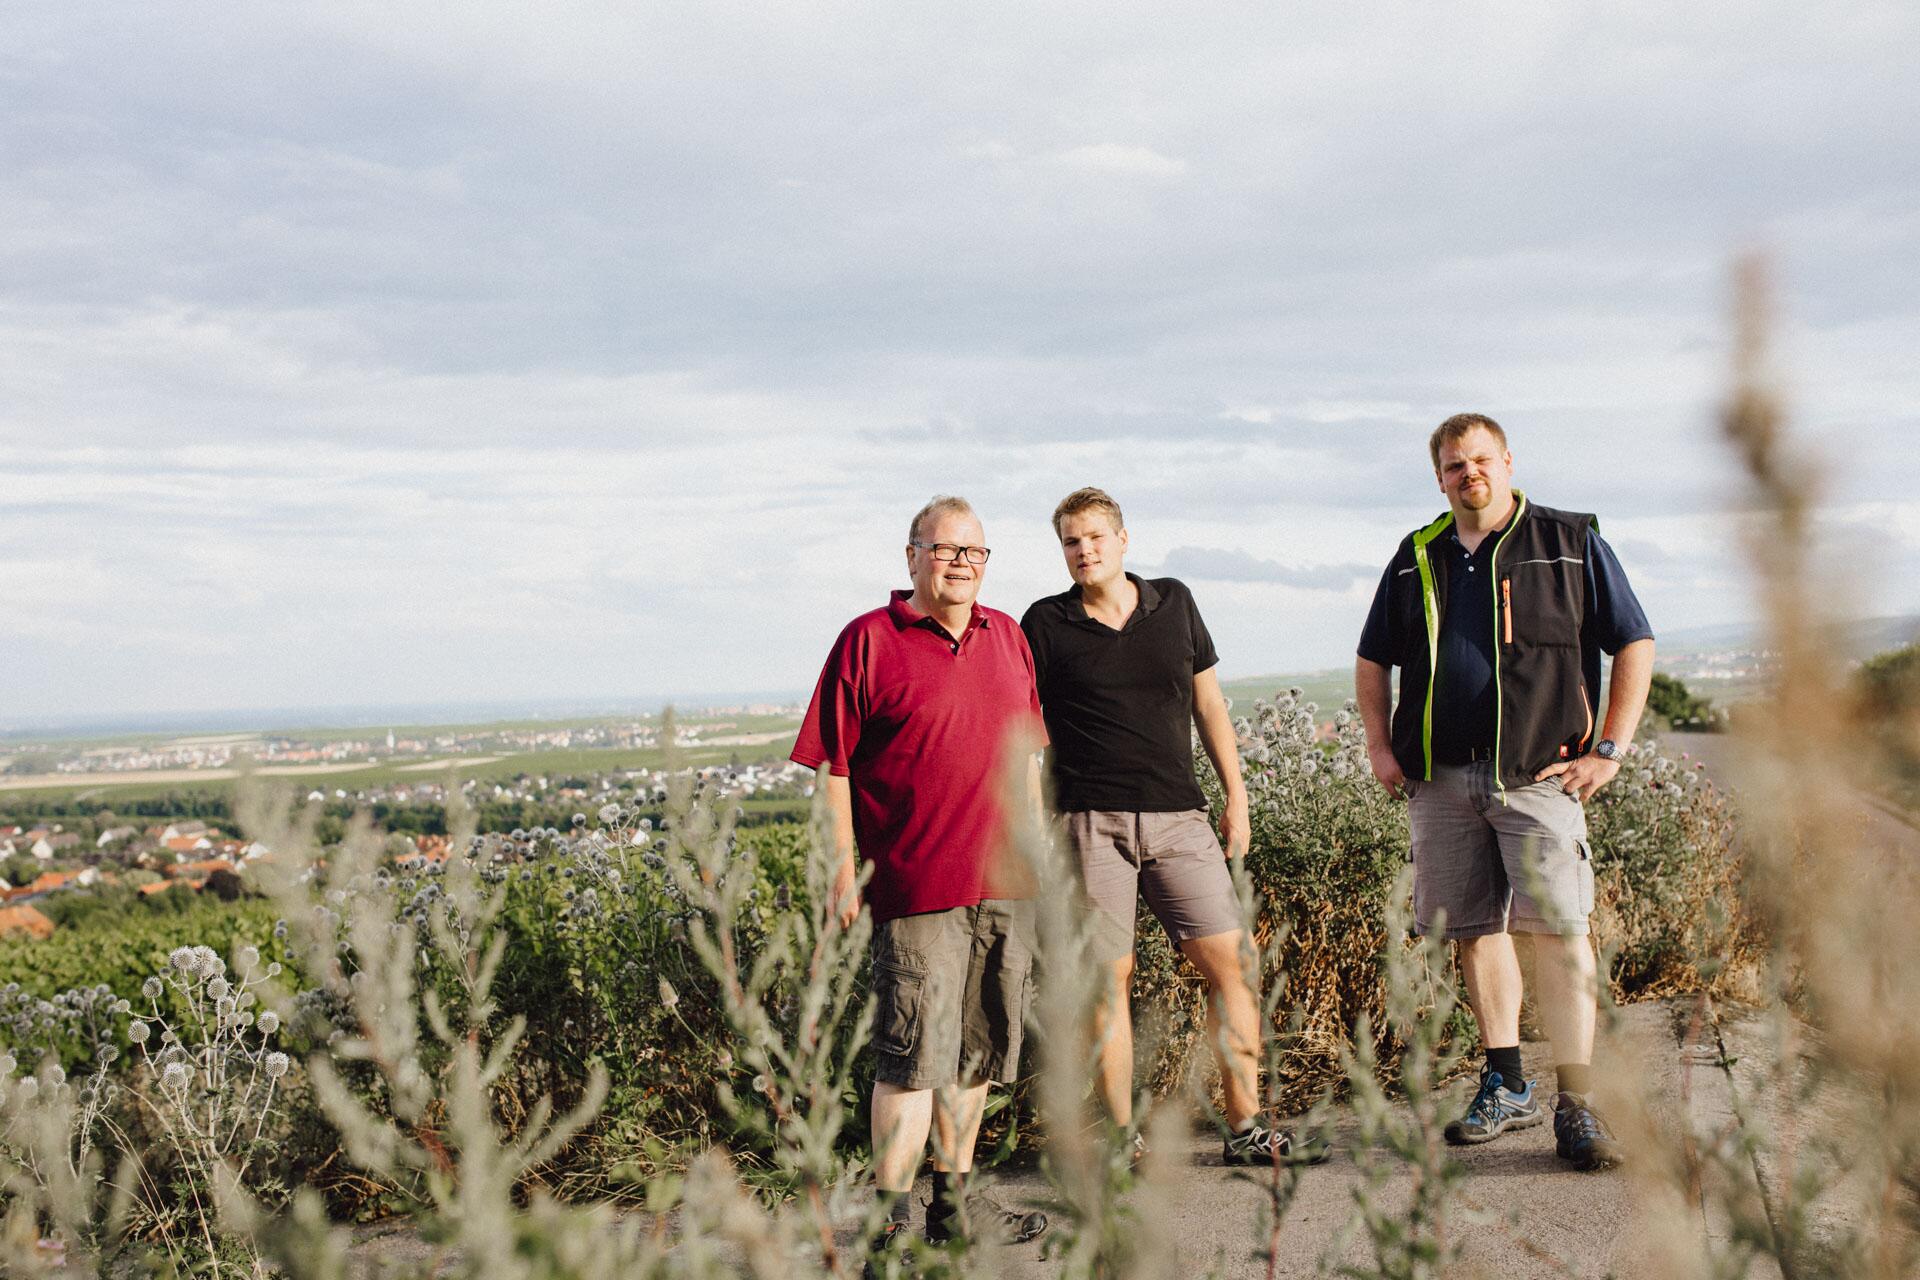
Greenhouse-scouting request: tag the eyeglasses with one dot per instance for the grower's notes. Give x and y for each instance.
(948, 551)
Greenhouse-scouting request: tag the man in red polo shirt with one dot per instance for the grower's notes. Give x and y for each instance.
(915, 712)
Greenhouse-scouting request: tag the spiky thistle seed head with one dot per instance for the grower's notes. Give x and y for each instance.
(276, 1065)
(269, 1022)
(138, 1032)
(173, 1078)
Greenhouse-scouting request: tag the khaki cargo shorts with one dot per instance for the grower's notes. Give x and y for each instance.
(1172, 859)
(950, 992)
(1520, 867)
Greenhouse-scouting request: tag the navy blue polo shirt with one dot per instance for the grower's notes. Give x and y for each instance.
(1464, 708)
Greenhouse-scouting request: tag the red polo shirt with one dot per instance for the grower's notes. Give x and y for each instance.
(919, 723)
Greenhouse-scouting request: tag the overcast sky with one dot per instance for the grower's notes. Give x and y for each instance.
(365, 353)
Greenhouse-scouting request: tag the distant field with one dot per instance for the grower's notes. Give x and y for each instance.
(1329, 689)
(350, 777)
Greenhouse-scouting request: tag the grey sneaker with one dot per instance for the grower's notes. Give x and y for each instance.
(1582, 1138)
(1260, 1145)
(1494, 1110)
(889, 1252)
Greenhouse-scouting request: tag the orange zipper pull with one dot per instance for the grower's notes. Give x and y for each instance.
(1506, 606)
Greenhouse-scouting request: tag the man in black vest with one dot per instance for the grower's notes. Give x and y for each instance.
(1497, 614)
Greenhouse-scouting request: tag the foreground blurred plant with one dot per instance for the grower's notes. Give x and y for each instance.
(1412, 1239)
(1819, 1170)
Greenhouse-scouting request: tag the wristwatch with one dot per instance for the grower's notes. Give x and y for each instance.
(1607, 749)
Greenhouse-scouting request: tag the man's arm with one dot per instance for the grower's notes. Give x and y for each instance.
(1373, 691)
(1216, 735)
(1626, 699)
(845, 895)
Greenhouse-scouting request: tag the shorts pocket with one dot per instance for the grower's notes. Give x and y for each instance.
(899, 987)
(1584, 870)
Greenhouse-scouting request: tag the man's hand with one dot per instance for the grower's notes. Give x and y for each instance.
(1386, 768)
(844, 897)
(1236, 831)
(1582, 777)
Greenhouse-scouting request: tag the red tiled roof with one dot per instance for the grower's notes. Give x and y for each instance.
(25, 917)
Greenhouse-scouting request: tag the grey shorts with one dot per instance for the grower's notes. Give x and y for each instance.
(1174, 859)
(1519, 867)
(950, 993)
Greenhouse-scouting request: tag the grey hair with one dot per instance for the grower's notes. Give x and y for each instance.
(944, 504)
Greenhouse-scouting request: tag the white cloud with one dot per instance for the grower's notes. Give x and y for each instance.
(1118, 158)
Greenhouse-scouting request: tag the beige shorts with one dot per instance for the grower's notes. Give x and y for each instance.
(1172, 859)
(1522, 866)
(950, 992)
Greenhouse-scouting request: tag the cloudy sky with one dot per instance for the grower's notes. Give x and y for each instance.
(365, 353)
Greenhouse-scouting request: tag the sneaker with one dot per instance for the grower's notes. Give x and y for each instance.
(1582, 1138)
(1259, 1145)
(1494, 1110)
(892, 1242)
(1136, 1153)
(1005, 1226)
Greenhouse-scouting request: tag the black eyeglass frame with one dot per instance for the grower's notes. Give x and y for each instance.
(975, 556)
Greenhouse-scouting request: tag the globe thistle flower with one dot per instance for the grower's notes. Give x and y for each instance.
(218, 988)
(609, 814)
(138, 1032)
(269, 1022)
(181, 958)
(151, 988)
(56, 1075)
(249, 958)
(29, 1089)
(276, 1065)
(174, 1078)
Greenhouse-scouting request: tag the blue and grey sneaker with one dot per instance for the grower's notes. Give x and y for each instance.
(1582, 1138)
(1494, 1110)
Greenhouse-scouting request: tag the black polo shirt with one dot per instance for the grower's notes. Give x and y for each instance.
(1119, 704)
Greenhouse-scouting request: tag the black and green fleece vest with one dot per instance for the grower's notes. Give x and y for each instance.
(1544, 705)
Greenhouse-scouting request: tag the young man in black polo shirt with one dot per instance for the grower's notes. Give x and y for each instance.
(1125, 669)
(1497, 614)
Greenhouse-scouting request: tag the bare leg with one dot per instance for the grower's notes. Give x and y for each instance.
(956, 1125)
(901, 1118)
(1113, 1036)
(1233, 1020)
(1492, 971)
(1567, 998)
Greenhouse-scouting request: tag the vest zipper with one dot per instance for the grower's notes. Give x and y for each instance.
(1499, 698)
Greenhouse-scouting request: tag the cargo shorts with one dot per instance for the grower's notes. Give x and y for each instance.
(1173, 859)
(1522, 866)
(951, 990)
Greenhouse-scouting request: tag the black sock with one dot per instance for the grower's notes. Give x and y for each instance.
(1574, 1078)
(900, 1208)
(946, 1194)
(1506, 1061)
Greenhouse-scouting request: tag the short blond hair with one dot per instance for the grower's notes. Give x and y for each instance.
(1088, 499)
(1458, 425)
(942, 504)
